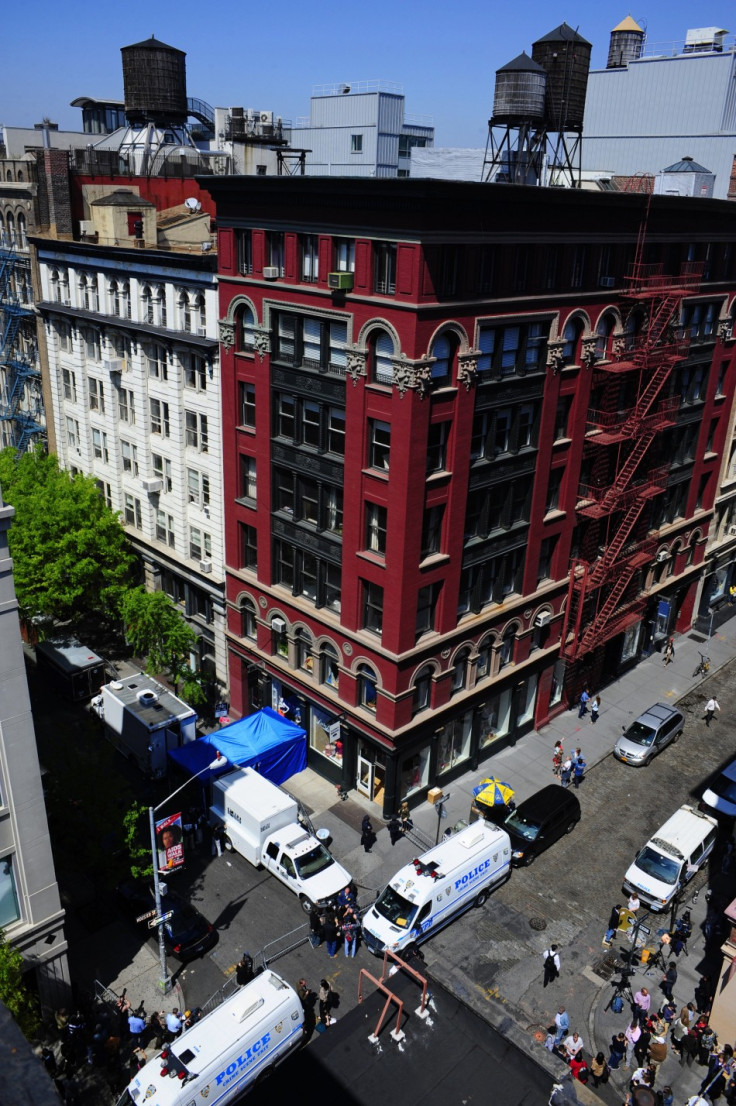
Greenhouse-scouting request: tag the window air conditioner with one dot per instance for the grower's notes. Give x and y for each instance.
(205, 566)
(278, 625)
(152, 484)
(271, 272)
(662, 555)
(543, 619)
(114, 366)
(342, 282)
(202, 331)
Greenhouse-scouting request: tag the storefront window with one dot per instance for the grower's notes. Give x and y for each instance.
(558, 680)
(495, 718)
(414, 773)
(455, 742)
(9, 909)
(718, 585)
(631, 642)
(526, 700)
(321, 726)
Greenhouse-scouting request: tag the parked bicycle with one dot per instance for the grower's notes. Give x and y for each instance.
(703, 665)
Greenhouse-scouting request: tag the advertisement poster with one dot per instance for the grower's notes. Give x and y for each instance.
(169, 845)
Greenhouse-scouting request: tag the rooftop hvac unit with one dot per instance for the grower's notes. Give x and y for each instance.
(342, 282)
(152, 484)
(662, 555)
(278, 625)
(205, 566)
(266, 117)
(147, 697)
(271, 272)
(543, 619)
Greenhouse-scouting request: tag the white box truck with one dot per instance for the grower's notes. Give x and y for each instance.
(261, 822)
(224, 1053)
(143, 719)
(434, 889)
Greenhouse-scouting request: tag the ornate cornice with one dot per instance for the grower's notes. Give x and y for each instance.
(414, 374)
(227, 333)
(355, 364)
(467, 367)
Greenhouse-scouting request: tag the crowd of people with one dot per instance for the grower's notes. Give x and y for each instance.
(339, 921)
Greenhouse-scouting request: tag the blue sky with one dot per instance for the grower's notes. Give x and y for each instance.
(270, 55)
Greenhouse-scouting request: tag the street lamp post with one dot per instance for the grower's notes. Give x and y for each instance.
(165, 981)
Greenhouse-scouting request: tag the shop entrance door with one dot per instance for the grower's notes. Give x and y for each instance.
(364, 782)
(371, 776)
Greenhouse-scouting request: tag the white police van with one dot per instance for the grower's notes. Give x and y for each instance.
(219, 1058)
(430, 892)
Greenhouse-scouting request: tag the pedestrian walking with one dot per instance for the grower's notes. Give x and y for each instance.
(158, 1031)
(669, 652)
(562, 1024)
(632, 1035)
(613, 923)
(551, 964)
(642, 1002)
(578, 772)
(710, 709)
(595, 708)
(566, 773)
(405, 816)
(669, 979)
(641, 1048)
(395, 831)
(557, 757)
(599, 1069)
(367, 836)
(315, 928)
(583, 705)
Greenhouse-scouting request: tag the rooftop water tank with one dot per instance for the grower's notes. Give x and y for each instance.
(627, 43)
(155, 83)
(520, 92)
(565, 57)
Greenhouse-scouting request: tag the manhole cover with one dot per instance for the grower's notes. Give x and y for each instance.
(538, 923)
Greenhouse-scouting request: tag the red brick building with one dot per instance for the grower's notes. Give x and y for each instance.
(470, 453)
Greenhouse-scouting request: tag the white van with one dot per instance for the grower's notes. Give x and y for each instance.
(430, 892)
(223, 1054)
(671, 857)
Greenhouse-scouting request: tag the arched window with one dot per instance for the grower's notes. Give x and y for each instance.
(22, 240)
(185, 315)
(506, 652)
(303, 650)
(380, 357)
(20, 174)
(602, 335)
(329, 672)
(147, 305)
(11, 229)
(245, 322)
(460, 672)
(444, 348)
(483, 664)
(571, 335)
(114, 292)
(3, 240)
(200, 314)
(248, 625)
(422, 690)
(367, 688)
(125, 299)
(160, 302)
(55, 286)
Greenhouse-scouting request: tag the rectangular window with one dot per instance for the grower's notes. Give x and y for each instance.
(99, 445)
(502, 431)
(514, 349)
(332, 587)
(344, 252)
(427, 598)
(198, 488)
(105, 491)
(336, 431)
(196, 434)
(286, 417)
(384, 268)
(432, 530)
(553, 489)
(72, 433)
(309, 254)
(439, 433)
(310, 423)
(133, 516)
(308, 502)
(158, 362)
(333, 510)
(275, 250)
(562, 417)
(160, 418)
(372, 607)
(247, 394)
(195, 372)
(248, 546)
(247, 477)
(200, 544)
(162, 469)
(284, 485)
(356, 143)
(126, 406)
(92, 345)
(129, 453)
(244, 240)
(375, 528)
(379, 444)
(96, 396)
(70, 385)
(546, 549)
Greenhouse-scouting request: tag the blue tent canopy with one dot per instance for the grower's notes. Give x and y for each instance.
(265, 741)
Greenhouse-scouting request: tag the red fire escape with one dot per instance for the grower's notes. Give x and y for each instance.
(604, 594)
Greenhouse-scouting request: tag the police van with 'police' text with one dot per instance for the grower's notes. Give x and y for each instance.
(430, 892)
(224, 1053)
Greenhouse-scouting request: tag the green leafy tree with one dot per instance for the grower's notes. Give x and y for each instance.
(157, 631)
(13, 991)
(137, 834)
(70, 554)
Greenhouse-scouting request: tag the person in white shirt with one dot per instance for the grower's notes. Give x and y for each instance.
(572, 1045)
(551, 964)
(710, 709)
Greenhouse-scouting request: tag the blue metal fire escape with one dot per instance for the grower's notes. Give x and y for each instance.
(18, 370)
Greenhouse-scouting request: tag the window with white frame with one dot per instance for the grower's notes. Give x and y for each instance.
(198, 488)
(195, 371)
(158, 362)
(92, 345)
(160, 418)
(309, 257)
(247, 394)
(275, 250)
(64, 332)
(129, 454)
(375, 528)
(126, 406)
(356, 143)
(88, 297)
(147, 305)
(96, 396)
(247, 477)
(184, 310)
(165, 528)
(159, 305)
(196, 431)
(344, 254)
(105, 491)
(69, 382)
(72, 433)
(99, 445)
(200, 544)
(379, 444)
(162, 469)
(133, 515)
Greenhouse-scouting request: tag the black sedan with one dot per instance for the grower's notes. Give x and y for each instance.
(186, 933)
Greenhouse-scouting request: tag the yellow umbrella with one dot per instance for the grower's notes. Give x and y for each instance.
(493, 792)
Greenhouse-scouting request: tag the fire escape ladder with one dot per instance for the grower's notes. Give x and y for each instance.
(10, 333)
(661, 318)
(626, 472)
(576, 592)
(654, 386)
(613, 550)
(592, 631)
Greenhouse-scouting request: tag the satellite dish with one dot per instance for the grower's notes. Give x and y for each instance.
(192, 204)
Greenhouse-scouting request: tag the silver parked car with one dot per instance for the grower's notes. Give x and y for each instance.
(642, 740)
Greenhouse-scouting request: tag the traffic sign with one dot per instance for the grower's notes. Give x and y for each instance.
(157, 921)
(146, 916)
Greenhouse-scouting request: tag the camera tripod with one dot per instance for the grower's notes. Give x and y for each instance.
(622, 987)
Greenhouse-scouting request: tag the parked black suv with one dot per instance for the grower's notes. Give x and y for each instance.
(539, 821)
(187, 934)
